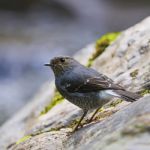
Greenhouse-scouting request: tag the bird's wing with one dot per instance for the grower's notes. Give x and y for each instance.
(94, 84)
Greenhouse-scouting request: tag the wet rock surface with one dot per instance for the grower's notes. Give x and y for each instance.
(125, 61)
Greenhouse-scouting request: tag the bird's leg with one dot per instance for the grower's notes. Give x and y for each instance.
(93, 115)
(76, 127)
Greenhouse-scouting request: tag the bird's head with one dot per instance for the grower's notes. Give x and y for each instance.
(62, 64)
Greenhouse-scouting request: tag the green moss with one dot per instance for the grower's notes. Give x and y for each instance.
(134, 73)
(144, 92)
(56, 100)
(23, 139)
(102, 109)
(90, 62)
(115, 103)
(101, 45)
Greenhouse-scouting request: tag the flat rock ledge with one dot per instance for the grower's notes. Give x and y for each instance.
(120, 125)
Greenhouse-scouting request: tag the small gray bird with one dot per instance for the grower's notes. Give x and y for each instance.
(85, 87)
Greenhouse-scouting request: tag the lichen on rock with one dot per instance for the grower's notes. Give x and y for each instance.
(134, 73)
(138, 125)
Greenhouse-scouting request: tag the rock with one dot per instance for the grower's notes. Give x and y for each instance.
(127, 62)
(130, 53)
(124, 126)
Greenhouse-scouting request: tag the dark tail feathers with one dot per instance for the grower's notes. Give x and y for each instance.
(127, 96)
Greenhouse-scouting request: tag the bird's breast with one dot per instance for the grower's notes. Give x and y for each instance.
(85, 101)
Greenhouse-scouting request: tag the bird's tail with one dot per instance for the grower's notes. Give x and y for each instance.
(127, 96)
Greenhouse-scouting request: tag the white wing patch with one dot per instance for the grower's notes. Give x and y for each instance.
(107, 94)
(111, 92)
(67, 85)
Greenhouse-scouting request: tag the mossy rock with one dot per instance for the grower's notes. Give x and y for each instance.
(101, 44)
(23, 139)
(144, 92)
(115, 103)
(58, 98)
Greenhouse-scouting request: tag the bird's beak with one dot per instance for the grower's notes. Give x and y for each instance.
(48, 65)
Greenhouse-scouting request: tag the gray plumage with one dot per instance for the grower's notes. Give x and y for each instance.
(85, 87)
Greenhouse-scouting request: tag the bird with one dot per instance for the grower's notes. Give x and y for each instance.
(85, 87)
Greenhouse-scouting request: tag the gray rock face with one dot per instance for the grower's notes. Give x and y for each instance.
(127, 62)
(102, 135)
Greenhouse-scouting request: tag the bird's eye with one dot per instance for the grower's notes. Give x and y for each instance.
(62, 59)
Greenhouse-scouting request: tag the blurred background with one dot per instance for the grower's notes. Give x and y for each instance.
(33, 31)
